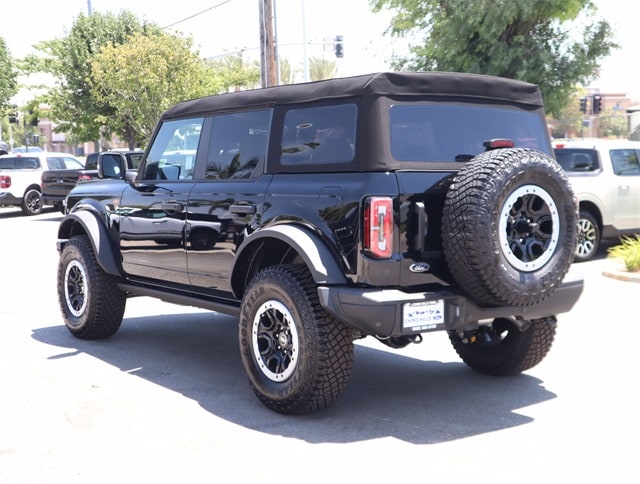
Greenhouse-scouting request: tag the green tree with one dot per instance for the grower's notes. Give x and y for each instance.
(75, 104)
(8, 78)
(556, 44)
(141, 78)
(321, 68)
(613, 124)
(231, 72)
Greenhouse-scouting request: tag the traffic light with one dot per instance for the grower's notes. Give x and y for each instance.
(583, 104)
(338, 47)
(597, 103)
(13, 118)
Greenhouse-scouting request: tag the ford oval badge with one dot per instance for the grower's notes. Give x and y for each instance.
(419, 267)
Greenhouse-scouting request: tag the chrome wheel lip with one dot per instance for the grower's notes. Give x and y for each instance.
(524, 196)
(75, 288)
(283, 341)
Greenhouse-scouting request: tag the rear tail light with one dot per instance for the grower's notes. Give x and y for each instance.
(5, 181)
(84, 178)
(378, 227)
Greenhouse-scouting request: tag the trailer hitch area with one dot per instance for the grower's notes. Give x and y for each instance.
(398, 342)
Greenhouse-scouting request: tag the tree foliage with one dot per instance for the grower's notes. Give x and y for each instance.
(141, 78)
(8, 76)
(69, 61)
(556, 44)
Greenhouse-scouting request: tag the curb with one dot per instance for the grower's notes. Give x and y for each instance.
(621, 275)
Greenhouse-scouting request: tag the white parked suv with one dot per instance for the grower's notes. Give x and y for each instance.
(605, 175)
(21, 173)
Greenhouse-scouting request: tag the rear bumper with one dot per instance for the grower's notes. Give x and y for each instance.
(380, 312)
(52, 199)
(7, 198)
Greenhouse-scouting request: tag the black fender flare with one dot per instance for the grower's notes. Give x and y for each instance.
(98, 235)
(322, 264)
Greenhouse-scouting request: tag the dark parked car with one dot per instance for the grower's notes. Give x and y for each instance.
(388, 206)
(56, 184)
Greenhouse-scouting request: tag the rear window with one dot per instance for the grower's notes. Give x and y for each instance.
(577, 160)
(19, 163)
(445, 132)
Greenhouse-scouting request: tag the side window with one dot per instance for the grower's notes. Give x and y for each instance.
(173, 153)
(625, 162)
(323, 134)
(239, 143)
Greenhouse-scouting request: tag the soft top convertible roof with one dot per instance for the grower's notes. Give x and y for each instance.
(437, 84)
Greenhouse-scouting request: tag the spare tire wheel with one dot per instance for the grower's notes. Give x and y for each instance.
(509, 227)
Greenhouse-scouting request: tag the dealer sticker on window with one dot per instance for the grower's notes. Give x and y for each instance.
(424, 315)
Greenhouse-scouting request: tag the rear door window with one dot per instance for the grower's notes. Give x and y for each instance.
(319, 135)
(577, 160)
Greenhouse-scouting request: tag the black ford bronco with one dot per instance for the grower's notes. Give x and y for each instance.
(387, 205)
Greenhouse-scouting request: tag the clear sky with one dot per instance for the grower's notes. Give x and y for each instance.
(219, 26)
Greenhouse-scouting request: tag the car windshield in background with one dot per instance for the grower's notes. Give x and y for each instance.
(430, 132)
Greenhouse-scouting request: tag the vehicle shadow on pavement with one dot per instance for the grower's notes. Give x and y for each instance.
(389, 394)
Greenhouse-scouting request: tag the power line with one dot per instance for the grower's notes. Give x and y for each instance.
(197, 14)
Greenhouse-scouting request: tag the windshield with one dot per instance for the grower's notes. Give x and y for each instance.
(437, 132)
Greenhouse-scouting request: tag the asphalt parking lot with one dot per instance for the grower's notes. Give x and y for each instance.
(166, 398)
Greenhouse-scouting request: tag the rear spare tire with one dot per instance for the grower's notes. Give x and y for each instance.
(509, 227)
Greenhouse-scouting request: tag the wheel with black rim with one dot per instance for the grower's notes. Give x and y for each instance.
(31, 202)
(503, 349)
(92, 305)
(588, 237)
(509, 227)
(297, 356)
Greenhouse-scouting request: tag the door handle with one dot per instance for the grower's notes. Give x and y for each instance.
(243, 209)
(172, 206)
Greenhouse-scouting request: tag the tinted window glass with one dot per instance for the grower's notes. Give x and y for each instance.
(173, 154)
(577, 159)
(324, 134)
(238, 146)
(625, 162)
(432, 132)
(19, 163)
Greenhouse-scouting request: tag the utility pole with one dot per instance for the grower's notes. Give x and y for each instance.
(268, 72)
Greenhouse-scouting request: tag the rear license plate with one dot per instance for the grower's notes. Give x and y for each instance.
(423, 316)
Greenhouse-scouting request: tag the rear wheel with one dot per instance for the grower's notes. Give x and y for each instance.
(297, 356)
(502, 349)
(92, 305)
(588, 237)
(31, 202)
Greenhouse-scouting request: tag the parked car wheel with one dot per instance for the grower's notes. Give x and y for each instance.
(502, 349)
(588, 237)
(91, 303)
(509, 227)
(297, 356)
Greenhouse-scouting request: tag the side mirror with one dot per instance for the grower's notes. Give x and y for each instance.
(111, 165)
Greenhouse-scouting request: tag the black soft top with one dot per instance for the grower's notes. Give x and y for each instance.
(433, 84)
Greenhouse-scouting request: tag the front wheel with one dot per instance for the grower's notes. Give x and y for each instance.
(92, 305)
(503, 349)
(297, 356)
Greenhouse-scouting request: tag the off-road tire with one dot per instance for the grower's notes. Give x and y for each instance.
(92, 305)
(297, 356)
(588, 237)
(509, 227)
(503, 349)
(31, 202)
